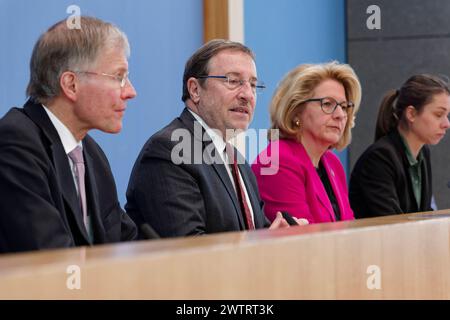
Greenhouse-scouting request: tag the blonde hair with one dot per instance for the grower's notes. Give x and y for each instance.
(298, 85)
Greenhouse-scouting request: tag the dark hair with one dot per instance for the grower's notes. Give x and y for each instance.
(198, 63)
(417, 91)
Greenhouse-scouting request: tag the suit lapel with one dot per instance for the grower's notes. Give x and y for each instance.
(92, 198)
(321, 194)
(334, 186)
(319, 189)
(253, 197)
(188, 120)
(425, 198)
(65, 178)
(400, 148)
(225, 178)
(60, 161)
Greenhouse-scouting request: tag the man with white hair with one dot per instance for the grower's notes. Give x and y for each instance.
(56, 186)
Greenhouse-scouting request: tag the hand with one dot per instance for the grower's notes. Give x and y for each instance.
(280, 222)
(301, 221)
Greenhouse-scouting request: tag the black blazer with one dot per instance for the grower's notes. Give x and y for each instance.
(187, 199)
(39, 206)
(380, 183)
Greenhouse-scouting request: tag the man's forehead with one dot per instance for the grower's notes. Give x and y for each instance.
(232, 61)
(113, 58)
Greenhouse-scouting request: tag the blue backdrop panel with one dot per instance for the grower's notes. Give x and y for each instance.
(286, 33)
(162, 34)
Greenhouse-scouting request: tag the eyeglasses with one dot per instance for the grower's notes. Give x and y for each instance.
(122, 79)
(233, 82)
(328, 104)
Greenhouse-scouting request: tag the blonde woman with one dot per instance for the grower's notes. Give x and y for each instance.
(313, 108)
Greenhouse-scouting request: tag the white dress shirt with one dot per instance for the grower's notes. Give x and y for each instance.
(220, 146)
(69, 143)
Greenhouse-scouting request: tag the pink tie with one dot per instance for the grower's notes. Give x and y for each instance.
(76, 155)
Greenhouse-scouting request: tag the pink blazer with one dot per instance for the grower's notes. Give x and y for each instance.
(296, 187)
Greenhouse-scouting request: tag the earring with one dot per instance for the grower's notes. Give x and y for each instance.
(297, 123)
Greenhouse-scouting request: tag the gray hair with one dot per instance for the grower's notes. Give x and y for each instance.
(61, 49)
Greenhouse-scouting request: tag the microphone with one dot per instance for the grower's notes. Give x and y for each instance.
(148, 232)
(291, 221)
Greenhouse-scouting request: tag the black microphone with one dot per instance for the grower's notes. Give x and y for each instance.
(148, 232)
(291, 221)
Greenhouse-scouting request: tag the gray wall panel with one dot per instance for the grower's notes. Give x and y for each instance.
(415, 38)
(399, 18)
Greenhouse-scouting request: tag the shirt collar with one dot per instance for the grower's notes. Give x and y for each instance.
(218, 141)
(411, 160)
(67, 139)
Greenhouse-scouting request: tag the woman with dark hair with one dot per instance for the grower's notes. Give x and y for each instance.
(393, 175)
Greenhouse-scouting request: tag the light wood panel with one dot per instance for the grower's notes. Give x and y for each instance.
(324, 261)
(215, 20)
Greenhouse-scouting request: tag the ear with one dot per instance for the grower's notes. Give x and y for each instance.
(193, 87)
(410, 113)
(69, 85)
(299, 116)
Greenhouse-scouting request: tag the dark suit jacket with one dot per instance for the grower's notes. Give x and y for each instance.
(187, 199)
(380, 183)
(39, 206)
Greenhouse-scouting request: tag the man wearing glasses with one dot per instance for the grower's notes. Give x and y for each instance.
(202, 190)
(56, 185)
